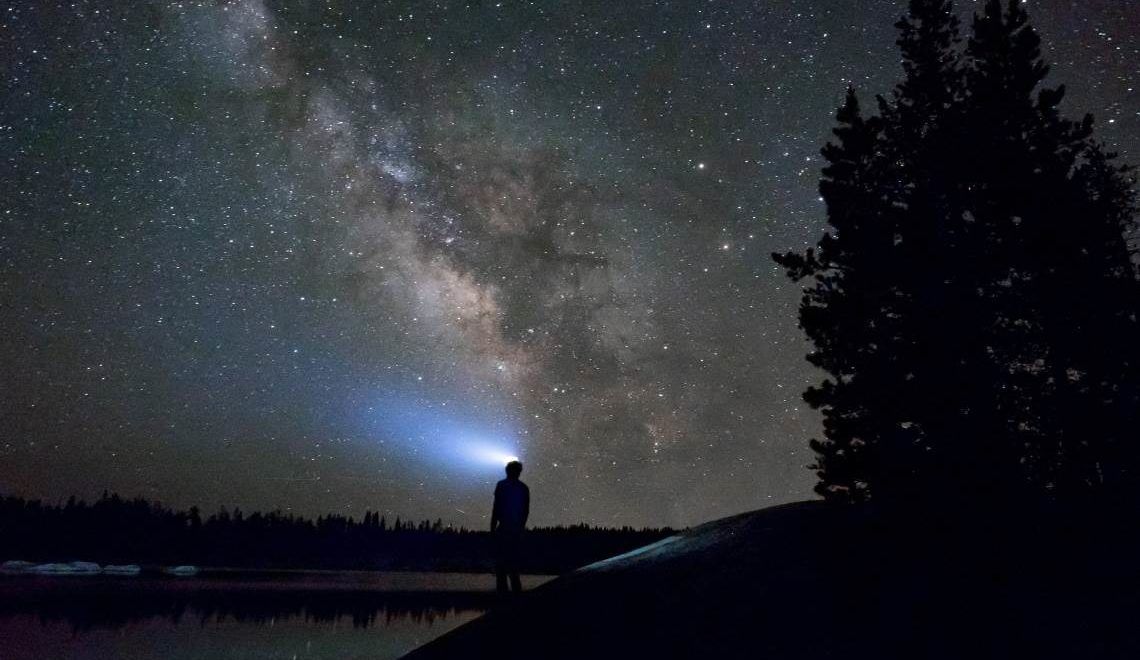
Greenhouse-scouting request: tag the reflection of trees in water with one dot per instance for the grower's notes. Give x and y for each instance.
(109, 606)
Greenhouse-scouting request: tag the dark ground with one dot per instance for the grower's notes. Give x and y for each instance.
(810, 580)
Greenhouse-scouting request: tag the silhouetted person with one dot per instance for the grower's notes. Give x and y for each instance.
(508, 519)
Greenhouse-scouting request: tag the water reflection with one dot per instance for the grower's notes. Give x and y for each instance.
(235, 616)
(87, 603)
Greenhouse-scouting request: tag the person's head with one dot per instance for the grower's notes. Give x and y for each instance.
(514, 469)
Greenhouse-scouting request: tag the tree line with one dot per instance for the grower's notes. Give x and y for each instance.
(115, 530)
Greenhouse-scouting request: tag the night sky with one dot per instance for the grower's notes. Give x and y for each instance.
(329, 257)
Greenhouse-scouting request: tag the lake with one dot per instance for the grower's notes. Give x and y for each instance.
(236, 614)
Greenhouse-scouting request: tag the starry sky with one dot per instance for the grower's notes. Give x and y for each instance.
(337, 256)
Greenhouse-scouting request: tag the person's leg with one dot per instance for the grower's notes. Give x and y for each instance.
(515, 555)
(501, 579)
(501, 564)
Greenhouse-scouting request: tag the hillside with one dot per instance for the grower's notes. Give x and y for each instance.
(808, 580)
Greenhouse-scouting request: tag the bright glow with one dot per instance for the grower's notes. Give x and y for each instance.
(489, 454)
(455, 438)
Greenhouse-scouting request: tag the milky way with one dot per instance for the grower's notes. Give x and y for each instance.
(325, 256)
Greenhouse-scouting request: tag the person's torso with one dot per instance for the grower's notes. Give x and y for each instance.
(512, 498)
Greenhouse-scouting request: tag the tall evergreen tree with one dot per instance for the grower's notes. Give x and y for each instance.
(834, 315)
(974, 282)
(1061, 284)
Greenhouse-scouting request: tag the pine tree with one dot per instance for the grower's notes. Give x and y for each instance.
(832, 315)
(874, 280)
(975, 270)
(1042, 183)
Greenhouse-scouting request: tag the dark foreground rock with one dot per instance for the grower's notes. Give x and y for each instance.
(810, 580)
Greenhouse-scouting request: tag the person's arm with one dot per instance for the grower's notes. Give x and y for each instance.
(495, 510)
(526, 504)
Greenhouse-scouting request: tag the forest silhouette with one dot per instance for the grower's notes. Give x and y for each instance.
(114, 530)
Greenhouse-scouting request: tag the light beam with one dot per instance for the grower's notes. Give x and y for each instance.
(463, 440)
